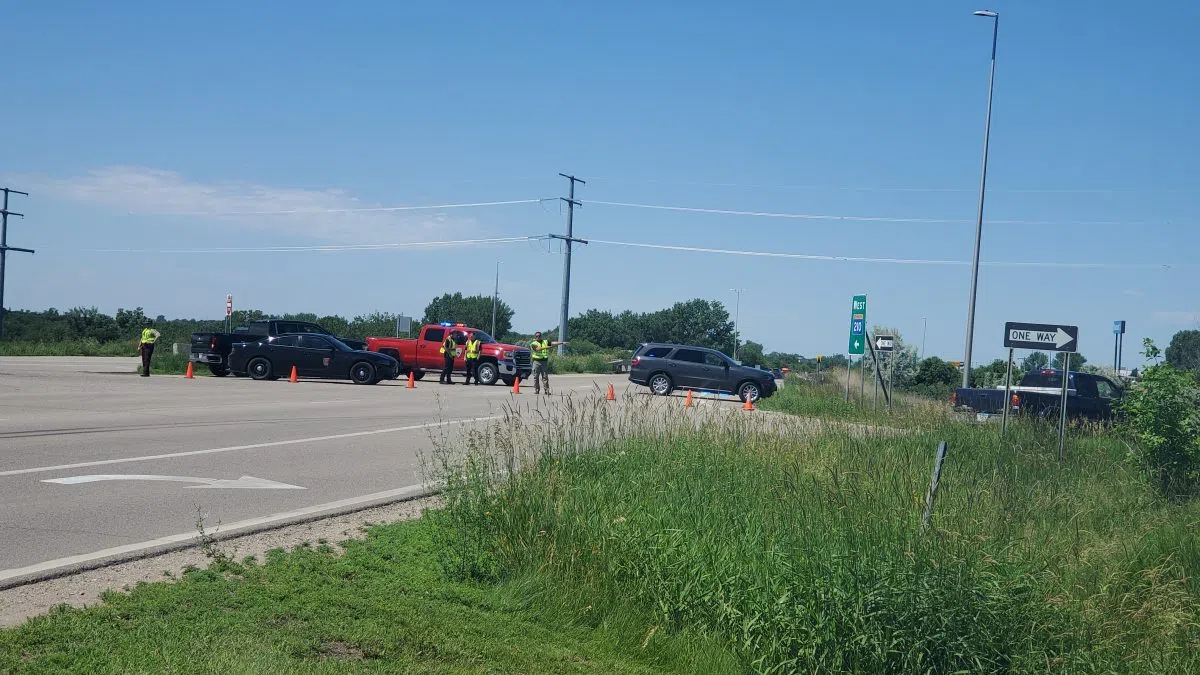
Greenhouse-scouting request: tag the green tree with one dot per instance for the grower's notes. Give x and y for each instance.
(992, 375)
(902, 360)
(473, 310)
(1077, 361)
(1184, 351)
(1162, 411)
(750, 353)
(1034, 361)
(934, 377)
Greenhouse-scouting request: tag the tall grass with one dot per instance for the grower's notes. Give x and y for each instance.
(796, 544)
(84, 347)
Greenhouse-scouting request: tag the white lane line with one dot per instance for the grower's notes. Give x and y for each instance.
(398, 493)
(253, 446)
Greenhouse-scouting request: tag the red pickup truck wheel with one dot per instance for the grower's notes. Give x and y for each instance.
(487, 373)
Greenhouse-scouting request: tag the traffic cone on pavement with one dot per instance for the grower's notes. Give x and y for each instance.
(189, 375)
(612, 395)
(412, 380)
(294, 377)
(516, 385)
(687, 403)
(749, 405)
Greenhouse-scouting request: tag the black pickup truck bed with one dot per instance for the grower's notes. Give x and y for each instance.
(212, 349)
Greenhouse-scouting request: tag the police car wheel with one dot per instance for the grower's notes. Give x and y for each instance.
(363, 373)
(748, 392)
(487, 373)
(661, 384)
(259, 369)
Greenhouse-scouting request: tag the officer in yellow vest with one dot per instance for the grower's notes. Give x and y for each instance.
(540, 354)
(146, 345)
(472, 358)
(449, 348)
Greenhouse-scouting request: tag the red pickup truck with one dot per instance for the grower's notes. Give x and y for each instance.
(497, 361)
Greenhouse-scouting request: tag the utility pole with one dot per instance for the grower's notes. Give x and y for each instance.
(495, 298)
(5, 248)
(568, 239)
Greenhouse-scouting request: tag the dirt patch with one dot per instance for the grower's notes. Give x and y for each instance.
(87, 588)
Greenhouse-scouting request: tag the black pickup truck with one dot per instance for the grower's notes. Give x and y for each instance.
(1089, 396)
(212, 349)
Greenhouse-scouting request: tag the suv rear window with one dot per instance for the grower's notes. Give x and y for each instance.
(655, 352)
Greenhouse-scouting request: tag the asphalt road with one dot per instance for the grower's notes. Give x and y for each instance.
(310, 445)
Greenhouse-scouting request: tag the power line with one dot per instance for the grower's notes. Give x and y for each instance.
(888, 188)
(326, 247)
(897, 261)
(5, 248)
(364, 209)
(877, 219)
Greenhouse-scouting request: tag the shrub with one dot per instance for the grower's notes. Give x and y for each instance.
(1162, 411)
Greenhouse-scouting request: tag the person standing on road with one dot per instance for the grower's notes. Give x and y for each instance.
(448, 350)
(146, 345)
(540, 354)
(472, 358)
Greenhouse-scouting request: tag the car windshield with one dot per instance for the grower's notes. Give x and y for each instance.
(484, 337)
(338, 344)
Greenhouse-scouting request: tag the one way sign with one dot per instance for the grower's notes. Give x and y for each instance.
(1051, 337)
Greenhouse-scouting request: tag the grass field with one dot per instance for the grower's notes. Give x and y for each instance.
(640, 537)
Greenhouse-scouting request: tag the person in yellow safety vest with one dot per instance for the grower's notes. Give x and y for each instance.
(146, 345)
(540, 354)
(448, 352)
(472, 358)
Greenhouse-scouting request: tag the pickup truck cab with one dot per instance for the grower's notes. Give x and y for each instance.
(497, 361)
(212, 349)
(1089, 396)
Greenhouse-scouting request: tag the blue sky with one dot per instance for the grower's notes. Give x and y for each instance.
(143, 125)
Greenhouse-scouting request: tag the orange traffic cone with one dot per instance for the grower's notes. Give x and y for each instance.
(189, 375)
(294, 377)
(749, 405)
(412, 380)
(687, 403)
(612, 395)
(516, 385)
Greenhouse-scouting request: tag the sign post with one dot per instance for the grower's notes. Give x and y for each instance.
(1118, 338)
(1007, 393)
(858, 331)
(229, 313)
(1050, 337)
(884, 344)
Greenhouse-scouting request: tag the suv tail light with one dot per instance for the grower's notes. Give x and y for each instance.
(1016, 401)
(954, 398)
(212, 343)
(635, 361)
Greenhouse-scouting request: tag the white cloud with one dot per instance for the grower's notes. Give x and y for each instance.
(1178, 318)
(330, 214)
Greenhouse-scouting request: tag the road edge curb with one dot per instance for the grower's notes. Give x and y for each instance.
(192, 539)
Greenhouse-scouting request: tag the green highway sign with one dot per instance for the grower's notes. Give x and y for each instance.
(858, 325)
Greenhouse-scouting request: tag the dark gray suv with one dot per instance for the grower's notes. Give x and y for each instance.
(666, 367)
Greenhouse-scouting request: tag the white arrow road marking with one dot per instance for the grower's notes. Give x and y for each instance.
(245, 482)
(1061, 337)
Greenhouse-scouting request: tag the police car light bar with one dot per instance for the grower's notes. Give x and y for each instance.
(446, 323)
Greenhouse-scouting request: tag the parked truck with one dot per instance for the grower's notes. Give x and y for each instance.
(1039, 394)
(212, 349)
(497, 361)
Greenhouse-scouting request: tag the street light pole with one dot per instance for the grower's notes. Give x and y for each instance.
(495, 298)
(987, 131)
(736, 313)
(924, 329)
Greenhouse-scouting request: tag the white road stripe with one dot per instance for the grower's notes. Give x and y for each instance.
(253, 446)
(398, 493)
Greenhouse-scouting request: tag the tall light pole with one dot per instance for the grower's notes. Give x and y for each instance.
(495, 298)
(987, 132)
(736, 313)
(924, 329)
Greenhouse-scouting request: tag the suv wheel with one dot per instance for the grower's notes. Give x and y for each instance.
(748, 392)
(660, 384)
